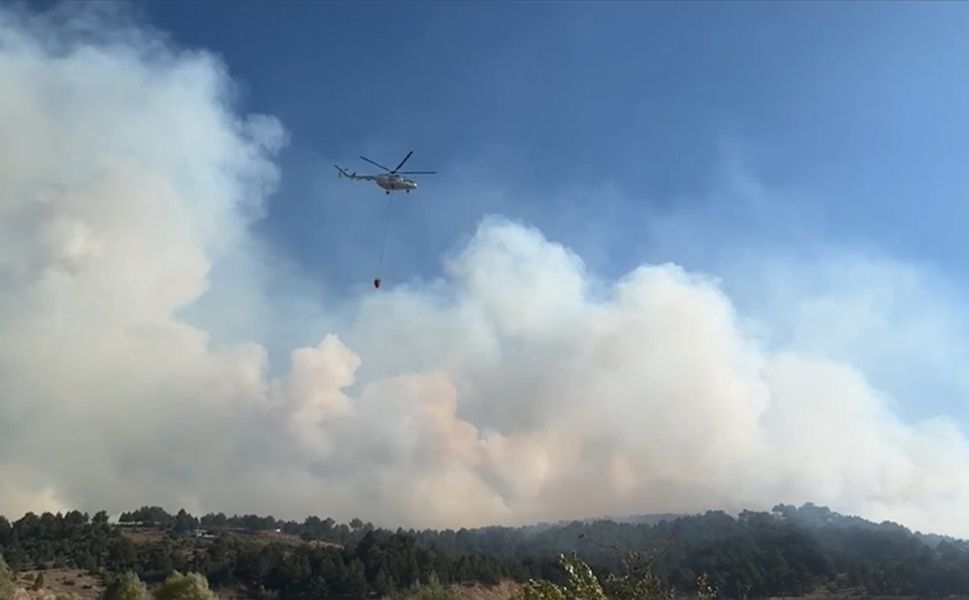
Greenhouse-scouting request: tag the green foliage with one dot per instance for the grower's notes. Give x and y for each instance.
(635, 582)
(148, 515)
(540, 589)
(191, 586)
(704, 591)
(184, 522)
(433, 589)
(582, 582)
(126, 587)
(5, 531)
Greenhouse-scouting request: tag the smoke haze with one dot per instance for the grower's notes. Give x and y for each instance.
(518, 387)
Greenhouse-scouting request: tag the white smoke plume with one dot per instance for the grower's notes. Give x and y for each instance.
(517, 388)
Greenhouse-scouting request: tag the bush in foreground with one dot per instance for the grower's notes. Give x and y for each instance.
(192, 586)
(6, 581)
(126, 587)
(432, 590)
(633, 583)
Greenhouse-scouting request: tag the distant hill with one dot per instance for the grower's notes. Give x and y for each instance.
(808, 515)
(787, 551)
(647, 519)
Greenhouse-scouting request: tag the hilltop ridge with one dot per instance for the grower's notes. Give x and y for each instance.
(787, 551)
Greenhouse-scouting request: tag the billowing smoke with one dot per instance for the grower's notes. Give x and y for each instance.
(519, 387)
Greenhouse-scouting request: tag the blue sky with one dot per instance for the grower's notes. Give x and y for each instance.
(859, 106)
(592, 121)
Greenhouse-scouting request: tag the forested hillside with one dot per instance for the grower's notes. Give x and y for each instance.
(788, 551)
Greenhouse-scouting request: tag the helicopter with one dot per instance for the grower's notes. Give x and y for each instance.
(391, 181)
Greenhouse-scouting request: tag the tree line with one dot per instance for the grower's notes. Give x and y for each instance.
(380, 562)
(786, 551)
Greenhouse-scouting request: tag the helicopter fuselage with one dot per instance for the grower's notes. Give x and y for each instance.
(395, 183)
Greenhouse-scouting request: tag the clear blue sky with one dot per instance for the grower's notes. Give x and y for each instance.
(862, 106)
(859, 111)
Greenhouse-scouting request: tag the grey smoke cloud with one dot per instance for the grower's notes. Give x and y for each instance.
(518, 387)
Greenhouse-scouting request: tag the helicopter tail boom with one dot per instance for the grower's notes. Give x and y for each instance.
(344, 173)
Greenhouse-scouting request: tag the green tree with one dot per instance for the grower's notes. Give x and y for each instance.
(191, 586)
(5, 531)
(383, 583)
(215, 521)
(184, 522)
(433, 589)
(355, 579)
(126, 587)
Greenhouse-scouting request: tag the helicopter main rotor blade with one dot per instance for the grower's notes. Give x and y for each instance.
(376, 164)
(402, 162)
(417, 172)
